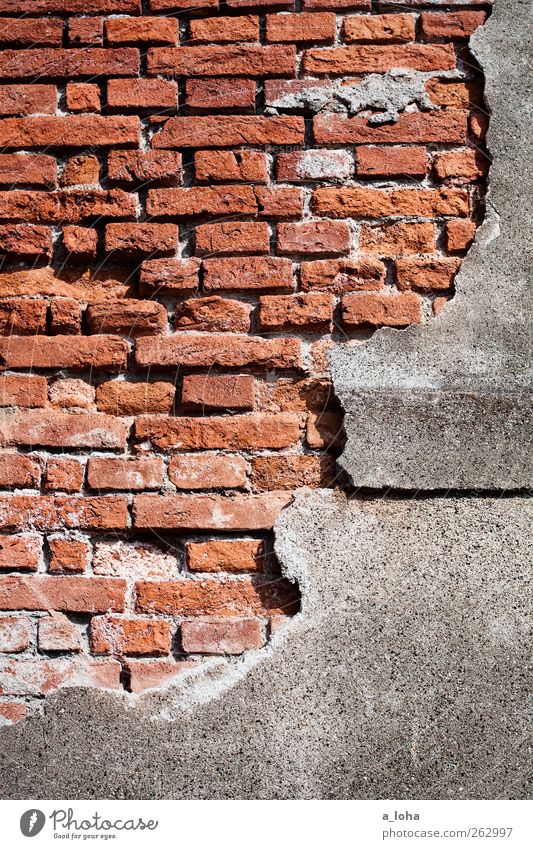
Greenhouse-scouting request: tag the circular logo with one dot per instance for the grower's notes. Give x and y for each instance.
(32, 822)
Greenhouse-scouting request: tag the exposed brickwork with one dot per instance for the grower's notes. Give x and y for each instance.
(193, 207)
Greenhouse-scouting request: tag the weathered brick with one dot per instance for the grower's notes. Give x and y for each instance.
(69, 131)
(221, 636)
(221, 93)
(337, 5)
(215, 598)
(220, 555)
(218, 392)
(13, 711)
(257, 430)
(314, 238)
(130, 318)
(69, 205)
(446, 25)
(459, 235)
(20, 553)
(193, 471)
(310, 165)
(21, 677)
(121, 398)
(36, 169)
(247, 60)
(247, 166)
(21, 317)
(68, 555)
(88, 32)
(76, 595)
(426, 273)
(28, 99)
(35, 32)
(213, 314)
(47, 513)
(81, 170)
(197, 350)
(25, 240)
(152, 239)
(143, 30)
(233, 237)
(18, 471)
(380, 203)
(461, 166)
(418, 127)
(169, 275)
(134, 560)
(181, 5)
(145, 166)
(142, 94)
(14, 633)
(393, 310)
(279, 202)
(286, 394)
(72, 393)
(291, 471)
(241, 28)
(324, 430)
(60, 430)
(65, 474)
(127, 473)
(83, 97)
(108, 352)
(201, 200)
(82, 241)
(70, 7)
(228, 130)
(311, 311)
(376, 28)
(455, 95)
(153, 673)
(57, 633)
(304, 26)
(400, 238)
(65, 316)
(69, 63)
(22, 391)
(391, 161)
(343, 275)
(378, 58)
(119, 635)
(245, 273)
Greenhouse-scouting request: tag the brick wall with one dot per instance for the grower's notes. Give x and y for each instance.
(195, 202)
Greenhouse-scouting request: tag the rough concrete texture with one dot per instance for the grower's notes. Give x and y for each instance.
(448, 404)
(404, 676)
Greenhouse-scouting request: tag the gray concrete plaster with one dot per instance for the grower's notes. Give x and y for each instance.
(448, 403)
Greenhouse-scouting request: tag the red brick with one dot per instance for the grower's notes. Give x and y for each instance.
(343, 275)
(247, 166)
(446, 25)
(303, 26)
(378, 58)
(221, 93)
(86, 32)
(25, 240)
(22, 391)
(14, 633)
(233, 237)
(201, 200)
(216, 598)
(291, 471)
(259, 430)
(391, 161)
(228, 130)
(72, 393)
(394, 310)
(69, 131)
(81, 170)
(152, 239)
(142, 30)
(461, 166)
(65, 316)
(28, 100)
(426, 273)
(168, 276)
(144, 166)
(20, 317)
(310, 165)
(121, 398)
(30, 168)
(218, 392)
(213, 314)
(141, 94)
(130, 318)
(246, 273)
(375, 28)
(83, 97)
(27, 676)
(446, 126)
(65, 474)
(61, 430)
(400, 238)
(74, 595)
(338, 5)
(279, 201)
(70, 7)
(68, 556)
(324, 430)
(314, 238)
(74, 205)
(18, 471)
(310, 311)
(181, 5)
(13, 711)
(20, 552)
(286, 394)
(248, 60)
(81, 241)
(197, 350)
(57, 633)
(47, 513)
(455, 95)
(192, 471)
(478, 124)
(208, 512)
(259, 4)
(360, 202)
(241, 28)
(134, 559)
(220, 636)
(35, 32)
(69, 63)
(118, 635)
(220, 555)
(127, 473)
(459, 235)
(147, 674)
(108, 352)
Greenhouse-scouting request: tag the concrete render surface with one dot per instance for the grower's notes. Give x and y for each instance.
(407, 672)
